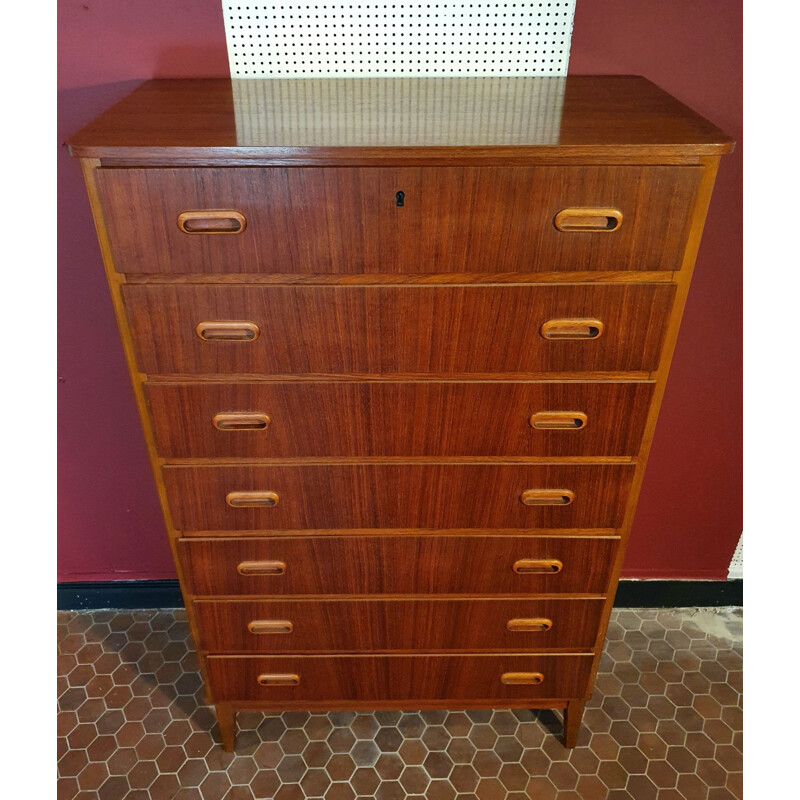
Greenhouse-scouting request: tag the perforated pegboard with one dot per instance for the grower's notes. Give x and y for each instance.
(403, 39)
(736, 568)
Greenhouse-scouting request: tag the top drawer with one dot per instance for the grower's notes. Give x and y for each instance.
(353, 220)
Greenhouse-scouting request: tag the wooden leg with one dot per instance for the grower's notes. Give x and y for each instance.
(226, 720)
(573, 714)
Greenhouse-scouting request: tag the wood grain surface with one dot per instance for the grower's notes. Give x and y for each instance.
(392, 355)
(397, 496)
(346, 220)
(396, 330)
(396, 677)
(397, 564)
(421, 625)
(396, 419)
(389, 119)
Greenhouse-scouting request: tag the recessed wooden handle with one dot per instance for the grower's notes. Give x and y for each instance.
(520, 678)
(261, 568)
(211, 222)
(540, 566)
(251, 499)
(589, 220)
(572, 329)
(266, 626)
(241, 421)
(279, 680)
(530, 625)
(547, 497)
(558, 420)
(227, 331)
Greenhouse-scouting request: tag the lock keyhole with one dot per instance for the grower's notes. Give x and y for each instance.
(401, 199)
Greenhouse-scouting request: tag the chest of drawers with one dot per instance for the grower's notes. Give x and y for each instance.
(398, 362)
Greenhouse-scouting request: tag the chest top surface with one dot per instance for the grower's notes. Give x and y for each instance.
(402, 119)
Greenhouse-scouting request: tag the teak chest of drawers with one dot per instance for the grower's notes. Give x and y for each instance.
(399, 348)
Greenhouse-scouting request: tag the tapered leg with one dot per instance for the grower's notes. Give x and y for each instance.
(573, 714)
(227, 725)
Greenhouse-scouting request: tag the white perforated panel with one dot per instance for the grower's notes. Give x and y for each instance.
(403, 39)
(736, 569)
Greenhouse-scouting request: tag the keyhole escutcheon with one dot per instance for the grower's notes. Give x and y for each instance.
(401, 199)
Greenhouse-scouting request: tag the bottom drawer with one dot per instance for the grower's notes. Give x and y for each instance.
(374, 625)
(343, 680)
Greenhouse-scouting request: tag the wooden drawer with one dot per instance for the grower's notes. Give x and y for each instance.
(262, 420)
(398, 564)
(426, 626)
(295, 330)
(346, 220)
(399, 679)
(335, 496)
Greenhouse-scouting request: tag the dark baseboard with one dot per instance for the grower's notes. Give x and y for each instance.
(678, 594)
(119, 594)
(167, 594)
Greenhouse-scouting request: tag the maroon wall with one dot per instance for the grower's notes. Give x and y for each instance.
(110, 523)
(690, 511)
(689, 517)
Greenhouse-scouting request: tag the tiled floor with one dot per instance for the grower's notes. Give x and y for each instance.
(664, 723)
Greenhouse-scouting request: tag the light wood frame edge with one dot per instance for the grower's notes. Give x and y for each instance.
(392, 705)
(115, 283)
(419, 279)
(378, 155)
(683, 279)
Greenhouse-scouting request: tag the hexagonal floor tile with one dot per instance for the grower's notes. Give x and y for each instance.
(664, 723)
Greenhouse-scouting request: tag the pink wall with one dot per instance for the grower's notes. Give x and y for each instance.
(689, 517)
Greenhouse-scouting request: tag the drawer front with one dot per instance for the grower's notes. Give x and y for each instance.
(298, 330)
(398, 564)
(426, 626)
(347, 220)
(395, 678)
(314, 496)
(262, 420)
